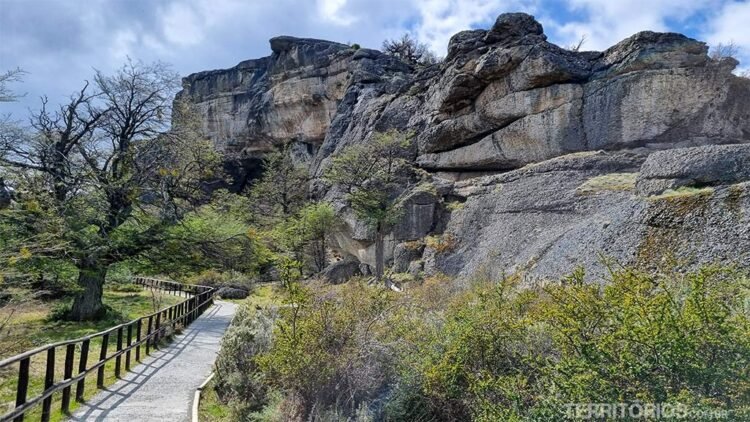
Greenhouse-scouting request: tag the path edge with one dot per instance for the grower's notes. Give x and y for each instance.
(197, 397)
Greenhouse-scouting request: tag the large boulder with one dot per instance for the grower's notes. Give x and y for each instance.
(695, 167)
(547, 219)
(341, 271)
(232, 293)
(406, 253)
(290, 96)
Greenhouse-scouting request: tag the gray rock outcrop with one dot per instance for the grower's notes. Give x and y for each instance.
(232, 293)
(341, 271)
(533, 153)
(694, 167)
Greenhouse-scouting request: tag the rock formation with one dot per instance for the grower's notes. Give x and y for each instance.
(536, 153)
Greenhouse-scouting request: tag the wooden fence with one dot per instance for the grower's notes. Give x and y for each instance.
(127, 341)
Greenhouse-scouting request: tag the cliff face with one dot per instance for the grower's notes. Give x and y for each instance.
(534, 150)
(290, 96)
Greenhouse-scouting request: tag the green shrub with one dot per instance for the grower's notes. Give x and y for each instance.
(239, 382)
(509, 354)
(496, 351)
(327, 353)
(214, 278)
(441, 243)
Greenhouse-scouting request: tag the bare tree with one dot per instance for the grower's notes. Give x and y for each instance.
(409, 50)
(577, 46)
(56, 136)
(15, 75)
(109, 175)
(722, 50)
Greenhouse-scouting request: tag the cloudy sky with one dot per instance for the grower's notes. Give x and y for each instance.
(60, 42)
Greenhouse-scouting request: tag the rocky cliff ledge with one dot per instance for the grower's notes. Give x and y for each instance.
(536, 152)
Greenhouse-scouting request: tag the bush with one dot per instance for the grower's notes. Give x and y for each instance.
(231, 279)
(495, 351)
(239, 382)
(327, 351)
(509, 354)
(441, 243)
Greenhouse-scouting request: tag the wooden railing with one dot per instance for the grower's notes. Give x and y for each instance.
(127, 341)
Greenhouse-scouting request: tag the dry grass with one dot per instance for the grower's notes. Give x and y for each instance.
(442, 243)
(613, 182)
(682, 192)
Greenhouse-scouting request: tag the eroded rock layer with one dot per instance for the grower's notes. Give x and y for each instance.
(536, 153)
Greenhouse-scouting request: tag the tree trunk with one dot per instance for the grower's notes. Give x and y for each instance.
(379, 256)
(87, 304)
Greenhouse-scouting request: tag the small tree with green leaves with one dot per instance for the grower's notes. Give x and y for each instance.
(374, 176)
(282, 190)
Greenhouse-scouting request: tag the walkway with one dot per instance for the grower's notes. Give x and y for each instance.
(162, 387)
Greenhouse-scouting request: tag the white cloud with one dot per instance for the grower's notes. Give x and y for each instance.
(122, 45)
(608, 22)
(331, 10)
(70, 38)
(730, 25)
(440, 19)
(182, 25)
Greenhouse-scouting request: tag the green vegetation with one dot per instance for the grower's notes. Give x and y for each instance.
(376, 178)
(114, 177)
(683, 192)
(33, 323)
(492, 351)
(441, 243)
(608, 182)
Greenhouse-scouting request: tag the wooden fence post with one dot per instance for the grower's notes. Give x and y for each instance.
(102, 356)
(118, 359)
(156, 330)
(67, 374)
(138, 340)
(23, 385)
(130, 341)
(148, 334)
(81, 369)
(49, 379)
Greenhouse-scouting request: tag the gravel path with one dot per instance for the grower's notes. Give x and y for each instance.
(162, 387)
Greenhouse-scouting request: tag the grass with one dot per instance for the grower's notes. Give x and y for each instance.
(613, 182)
(264, 296)
(683, 191)
(30, 326)
(210, 408)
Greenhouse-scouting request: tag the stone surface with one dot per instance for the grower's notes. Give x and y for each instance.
(509, 126)
(537, 221)
(6, 195)
(403, 256)
(290, 96)
(340, 271)
(232, 293)
(694, 167)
